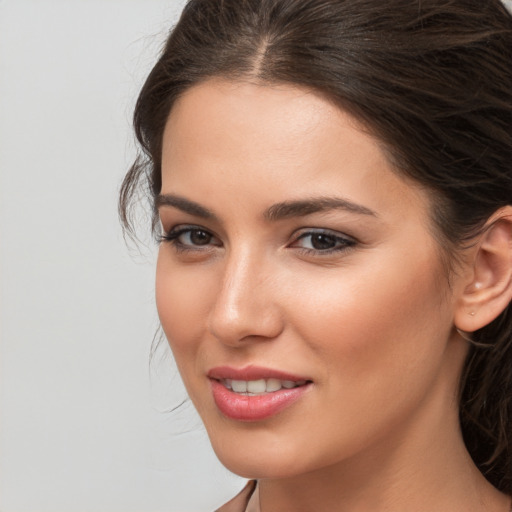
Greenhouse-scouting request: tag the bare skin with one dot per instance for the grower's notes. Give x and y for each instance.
(346, 288)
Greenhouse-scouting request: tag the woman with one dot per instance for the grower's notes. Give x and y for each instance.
(333, 184)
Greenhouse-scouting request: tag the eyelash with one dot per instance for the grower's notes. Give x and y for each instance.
(174, 235)
(342, 243)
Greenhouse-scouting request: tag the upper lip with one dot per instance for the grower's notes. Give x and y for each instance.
(251, 373)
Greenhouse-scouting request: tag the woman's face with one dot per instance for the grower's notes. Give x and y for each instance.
(300, 266)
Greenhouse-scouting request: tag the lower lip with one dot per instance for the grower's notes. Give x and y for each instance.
(256, 407)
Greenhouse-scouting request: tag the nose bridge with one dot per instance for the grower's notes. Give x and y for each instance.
(245, 306)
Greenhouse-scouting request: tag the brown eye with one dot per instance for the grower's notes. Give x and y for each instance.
(191, 238)
(196, 237)
(323, 242)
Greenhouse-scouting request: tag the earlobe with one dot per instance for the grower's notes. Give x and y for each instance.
(489, 288)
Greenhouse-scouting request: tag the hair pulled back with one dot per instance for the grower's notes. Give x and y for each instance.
(431, 79)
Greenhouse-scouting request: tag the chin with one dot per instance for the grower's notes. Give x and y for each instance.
(258, 455)
(247, 461)
(257, 467)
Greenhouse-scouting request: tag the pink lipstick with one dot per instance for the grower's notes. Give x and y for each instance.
(255, 393)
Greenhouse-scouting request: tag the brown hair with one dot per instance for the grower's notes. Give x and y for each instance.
(432, 79)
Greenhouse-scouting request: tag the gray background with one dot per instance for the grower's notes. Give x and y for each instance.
(81, 427)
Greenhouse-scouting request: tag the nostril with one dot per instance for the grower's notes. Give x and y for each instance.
(254, 322)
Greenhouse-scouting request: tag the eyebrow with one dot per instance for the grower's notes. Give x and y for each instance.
(305, 207)
(185, 205)
(278, 211)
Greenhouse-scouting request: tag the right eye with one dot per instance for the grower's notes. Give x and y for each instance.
(190, 238)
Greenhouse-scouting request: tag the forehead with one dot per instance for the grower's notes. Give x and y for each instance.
(270, 117)
(275, 143)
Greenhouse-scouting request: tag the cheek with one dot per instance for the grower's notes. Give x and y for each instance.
(378, 345)
(181, 299)
(384, 325)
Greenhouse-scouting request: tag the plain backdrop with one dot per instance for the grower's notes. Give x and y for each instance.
(83, 425)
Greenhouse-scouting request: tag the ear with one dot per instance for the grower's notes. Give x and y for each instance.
(487, 289)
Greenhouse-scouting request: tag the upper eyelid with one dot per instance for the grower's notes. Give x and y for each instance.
(331, 232)
(188, 227)
(177, 223)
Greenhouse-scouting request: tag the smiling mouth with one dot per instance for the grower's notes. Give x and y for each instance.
(257, 399)
(260, 386)
(255, 393)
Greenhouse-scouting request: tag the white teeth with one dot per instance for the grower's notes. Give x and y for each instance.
(239, 386)
(257, 386)
(273, 385)
(260, 386)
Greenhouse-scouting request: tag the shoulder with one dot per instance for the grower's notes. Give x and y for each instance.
(240, 501)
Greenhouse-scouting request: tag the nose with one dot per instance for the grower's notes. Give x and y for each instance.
(246, 306)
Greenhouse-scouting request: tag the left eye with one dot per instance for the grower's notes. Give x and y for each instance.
(195, 237)
(322, 242)
(190, 238)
